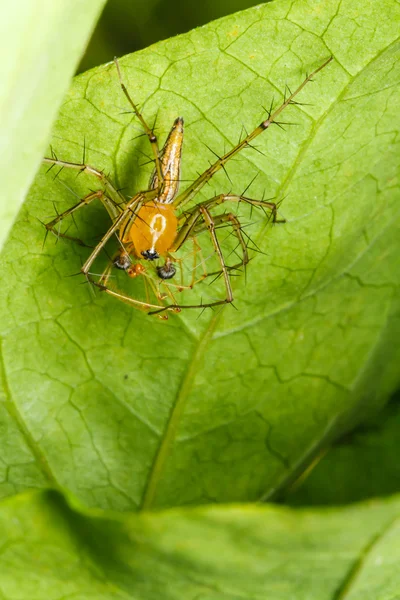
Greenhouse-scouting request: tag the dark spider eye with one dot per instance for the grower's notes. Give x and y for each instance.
(166, 271)
(150, 254)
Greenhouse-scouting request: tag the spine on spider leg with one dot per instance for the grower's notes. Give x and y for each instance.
(113, 202)
(188, 194)
(149, 132)
(272, 118)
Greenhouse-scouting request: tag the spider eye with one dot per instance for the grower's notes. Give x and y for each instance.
(150, 254)
(166, 271)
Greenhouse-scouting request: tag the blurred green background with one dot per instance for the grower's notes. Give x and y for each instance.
(129, 25)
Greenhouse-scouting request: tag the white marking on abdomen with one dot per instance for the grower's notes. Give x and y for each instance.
(156, 233)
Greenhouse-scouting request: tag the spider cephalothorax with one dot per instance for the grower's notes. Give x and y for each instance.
(152, 226)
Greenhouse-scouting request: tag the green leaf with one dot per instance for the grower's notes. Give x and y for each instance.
(127, 411)
(41, 43)
(125, 26)
(363, 464)
(50, 550)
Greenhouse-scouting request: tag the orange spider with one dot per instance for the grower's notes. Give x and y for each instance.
(151, 226)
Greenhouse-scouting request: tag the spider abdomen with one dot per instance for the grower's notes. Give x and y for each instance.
(153, 231)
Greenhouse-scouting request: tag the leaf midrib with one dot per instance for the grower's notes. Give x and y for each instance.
(176, 413)
(350, 580)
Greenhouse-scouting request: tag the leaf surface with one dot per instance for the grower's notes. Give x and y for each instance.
(41, 43)
(127, 411)
(205, 553)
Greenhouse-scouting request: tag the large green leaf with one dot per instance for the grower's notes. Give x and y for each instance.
(251, 553)
(41, 43)
(128, 411)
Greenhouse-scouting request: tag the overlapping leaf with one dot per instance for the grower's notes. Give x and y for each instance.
(233, 552)
(41, 43)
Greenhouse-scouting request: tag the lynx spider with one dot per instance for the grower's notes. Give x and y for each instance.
(151, 225)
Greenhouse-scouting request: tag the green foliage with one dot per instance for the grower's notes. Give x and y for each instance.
(119, 411)
(126, 411)
(239, 553)
(41, 44)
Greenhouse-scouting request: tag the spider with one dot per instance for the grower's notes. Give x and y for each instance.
(152, 226)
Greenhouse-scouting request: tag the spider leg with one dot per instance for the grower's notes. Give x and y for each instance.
(51, 226)
(180, 261)
(265, 205)
(203, 213)
(234, 222)
(149, 132)
(112, 202)
(120, 224)
(188, 194)
(188, 222)
(105, 276)
(102, 284)
(199, 219)
(145, 306)
(140, 305)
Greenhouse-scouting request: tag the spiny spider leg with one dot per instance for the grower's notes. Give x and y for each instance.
(234, 222)
(126, 217)
(201, 219)
(189, 220)
(210, 224)
(145, 306)
(102, 284)
(111, 204)
(263, 204)
(170, 187)
(190, 192)
(194, 280)
(149, 132)
(84, 202)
